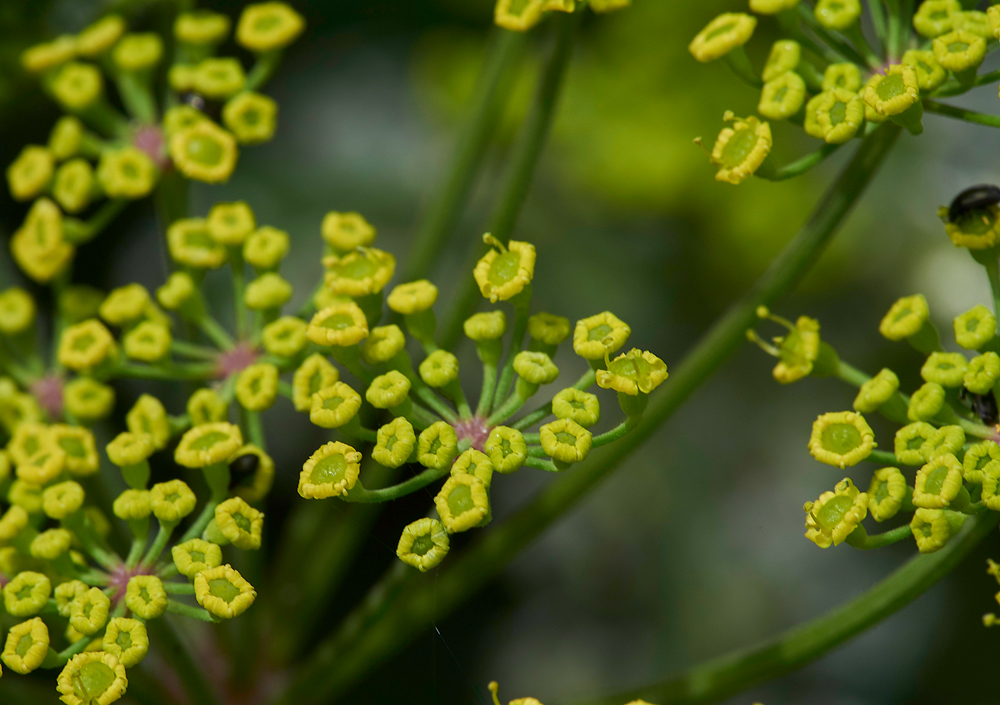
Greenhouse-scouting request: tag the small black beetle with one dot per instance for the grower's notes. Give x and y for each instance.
(983, 405)
(972, 199)
(245, 464)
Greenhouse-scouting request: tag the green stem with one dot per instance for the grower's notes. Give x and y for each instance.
(883, 458)
(166, 374)
(178, 588)
(541, 464)
(742, 669)
(340, 661)
(207, 514)
(199, 352)
(136, 93)
(861, 44)
(489, 384)
(387, 494)
(799, 166)
(534, 417)
(992, 267)
(263, 68)
(81, 232)
(446, 207)
(506, 410)
(619, 431)
(953, 88)
(521, 305)
(522, 166)
(951, 111)
(839, 46)
(878, 19)
(739, 63)
(210, 327)
(866, 542)
(159, 543)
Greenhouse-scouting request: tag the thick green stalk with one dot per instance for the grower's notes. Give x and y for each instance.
(735, 672)
(522, 168)
(446, 207)
(335, 665)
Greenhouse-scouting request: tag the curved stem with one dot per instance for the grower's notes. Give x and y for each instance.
(446, 207)
(883, 458)
(972, 116)
(339, 662)
(522, 167)
(799, 166)
(742, 669)
(619, 431)
(866, 542)
(387, 494)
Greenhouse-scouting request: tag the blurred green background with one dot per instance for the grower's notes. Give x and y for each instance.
(695, 546)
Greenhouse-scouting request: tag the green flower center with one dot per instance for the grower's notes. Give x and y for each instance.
(567, 438)
(915, 443)
(204, 150)
(504, 267)
(738, 147)
(23, 644)
(82, 342)
(832, 513)
(197, 556)
(25, 592)
(267, 23)
(391, 442)
(517, 7)
(91, 680)
(31, 445)
(779, 95)
(333, 403)
(935, 480)
(957, 47)
(891, 86)
(460, 500)
(329, 470)
(250, 116)
(242, 522)
(719, 31)
(633, 368)
(882, 493)
(840, 438)
(208, 440)
(838, 113)
(124, 640)
(199, 238)
(422, 544)
(338, 321)
(223, 589)
(357, 268)
(599, 332)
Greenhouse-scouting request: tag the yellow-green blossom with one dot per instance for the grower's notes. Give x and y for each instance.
(12, 522)
(837, 14)
(205, 406)
(138, 52)
(782, 96)
(43, 467)
(978, 229)
(88, 613)
(201, 28)
(886, 493)
(938, 482)
(126, 640)
(87, 399)
(485, 326)
(204, 152)
(437, 446)
(74, 185)
(256, 487)
(894, 91)
(395, 443)
(285, 337)
(240, 523)
(633, 372)
(388, 391)
(906, 317)
(741, 149)
(218, 78)
(981, 459)
(362, 272)
(50, 544)
(148, 342)
(66, 592)
(257, 386)
(835, 116)
(946, 369)
(85, 345)
(439, 369)
(171, 501)
(723, 34)
(975, 328)
(382, 344)
(126, 173)
(231, 223)
(145, 596)
(959, 50)
(223, 592)
(518, 16)
(931, 529)
(80, 449)
(595, 336)
(982, 373)
(506, 449)
(930, 74)
(935, 17)
(314, 374)
(947, 439)
(334, 405)
(265, 248)
(504, 272)
(17, 311)
(196, 555)
(38, 246)
(132, 505)
(580, 407)
(565, 440)
(413, 297)
(423, 544)
(148, 415)
(30, 173)
(330, 472)
(475, 463)
(26, 646)
(926, 402)
(535, 368)
(268, 26)
(462, 503)
(92, 678)
(77, 86)
(341, 324)
(909, 441)
(876, 391)
(844, 75)
(251, 117)
(130, 448)
(208, 444)
(190, 244)
(841, 439)
(835, 515)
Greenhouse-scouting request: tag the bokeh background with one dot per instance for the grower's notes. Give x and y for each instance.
(695, 545)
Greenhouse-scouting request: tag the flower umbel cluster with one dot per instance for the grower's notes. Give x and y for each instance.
(828, 77)
(945, 461)
(98, 159)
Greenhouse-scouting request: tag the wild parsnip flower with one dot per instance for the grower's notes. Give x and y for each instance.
(147, 342)
(265, 248)
(208, 444)
(268, 26)
(345, 232)
(886, 493)
(770, 7)
(412, 298)
(876, 391)
(231, 224)
(26, 646)
(149, 416)
(578, 406)
(138, 52)
(841, 439)
(906, 318)
(975, 328)
(47, 55)
(255, 478)
(741, 149)
(981, 458)
(439, 369)
(240, 523)
(934, 17)
(487, 329)
(931, 528)
(893, 92)
(334, 405)
(784, 56)
(462, 503)
(201, 28)
(330, 472)
(783, 96)
(77, 86)
(599, 335)
(423, 544)
(341, 324)
(930, 74)
(506, 449)
(395, 443)
(126, 173)
(977, 229)
(565, 440)
(219, 77)
(926, 402)
(132, 505)
(87, 399)
(504, 271)
(388, 391)
(38, 246)
(251, 117)
(632, 373)
(910, 439)
(383, 344)
(518, 16)
(437, 446)
(938, 482)
(285, 337)
(845, 75)
(223, 592)
(171, 501)
(196, 555)
(50, 544)
(43, 467)
(17, 311)
(475, 463)
(947, 439)
(88, 613)
(74, 186)
(145, 596)
(92, 678)
(12, 521)
(206, 406)
(835, 515)
(313, 375)
(257, 387)
(204, 152)
(723, 34)
(946, 369)
(191, 245)
(26, 594)
(534, 369)
(86, 345)
(973, 21)
(835, 116)
(959, 51)
(79, 447)
(837, 14)
(127, 640)
(30, 173)
(982, 373)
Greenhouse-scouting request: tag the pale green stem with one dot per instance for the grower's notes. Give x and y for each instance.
(81, 232)
(953, 88)
(972, 116)
(992, 267)
(883, 457)
(489, 384)
(239, 284)
(488, 105)
(841, 47)
(159, 543)
(799, 166)
(522, 167)
(263, 68)
(173, 588)
(210, 327)
(619, 431)
(540, 464)
(534, 417)
(207, 514)
(735, 672)
(199, 352)
(168, 374)
(506, 410)
(387, 494)
(521, 306)
(347, 655)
